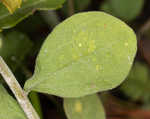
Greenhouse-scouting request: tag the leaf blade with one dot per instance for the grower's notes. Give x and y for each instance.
(9, 107)
(8, 20)
(74, 50)
(88, 107)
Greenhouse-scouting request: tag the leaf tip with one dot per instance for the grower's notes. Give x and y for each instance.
(12, 5)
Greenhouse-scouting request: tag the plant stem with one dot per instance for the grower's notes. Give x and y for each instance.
(50, 17)
(19, 93)
(71, 7)
(145, 27)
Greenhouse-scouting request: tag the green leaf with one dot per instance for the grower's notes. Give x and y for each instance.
(9, 109)
(107, 8)
(124, 9)
(12, 5)
(87, 53)
(137, 83)
(8, 20)
(88, 107)
(14, 46)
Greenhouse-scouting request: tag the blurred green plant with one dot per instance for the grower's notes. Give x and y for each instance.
(137, 83)
(125, 9)
(14, 48)
(78, 6)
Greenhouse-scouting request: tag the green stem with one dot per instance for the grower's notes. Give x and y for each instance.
(17, 90)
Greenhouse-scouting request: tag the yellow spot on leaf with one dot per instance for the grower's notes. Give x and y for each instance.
(12, 5)
(92, 46)
(75, 57)
(126, 44)
(97, 67)
(78, 107)
(80, 45)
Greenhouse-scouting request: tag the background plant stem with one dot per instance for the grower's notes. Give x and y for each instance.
(71, 7)
(17, 90)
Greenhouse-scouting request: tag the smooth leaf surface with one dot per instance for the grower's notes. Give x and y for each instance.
(124, 9)
(9, 107)
(14, 46)
(87, 53)
(137, 83)
(12, 5)
(88, 107)
(28, 7)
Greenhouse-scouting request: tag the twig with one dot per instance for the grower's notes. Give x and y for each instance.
(50, 17)
(17, 90)
(71, 7)
(145, 27)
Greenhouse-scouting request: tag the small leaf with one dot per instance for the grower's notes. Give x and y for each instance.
(82, 56)
(9, 107)
(124, 9)
(8, 20)
(12, 5)
(88, 107)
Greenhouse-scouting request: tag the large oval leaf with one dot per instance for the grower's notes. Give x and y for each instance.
(85, 54)
(9, 109)
(88, 107)
(8, 20)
